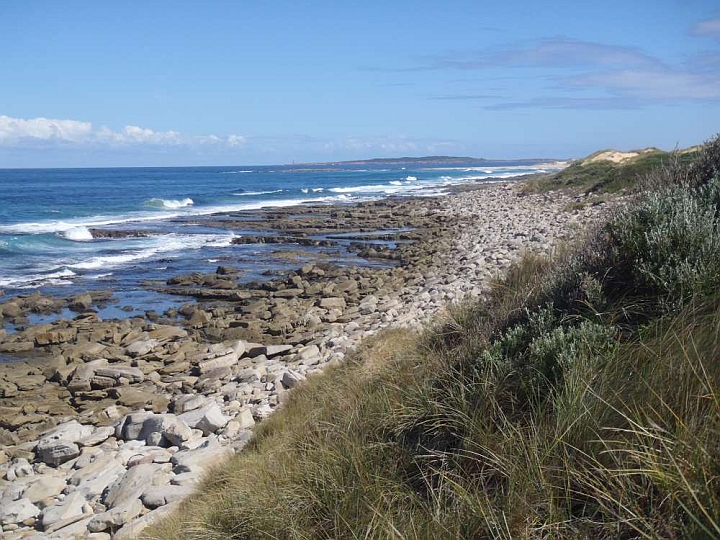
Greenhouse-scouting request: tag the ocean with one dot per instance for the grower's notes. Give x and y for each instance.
(47, 217)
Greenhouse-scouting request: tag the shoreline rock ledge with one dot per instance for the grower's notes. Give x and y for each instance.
(118, 420)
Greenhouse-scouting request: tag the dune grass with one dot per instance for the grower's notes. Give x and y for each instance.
(602, 177)
(579, 399)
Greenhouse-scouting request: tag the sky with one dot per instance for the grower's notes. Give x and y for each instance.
(154, 83)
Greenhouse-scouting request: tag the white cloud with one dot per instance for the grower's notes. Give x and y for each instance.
(236, 140)
(668, 85)
(15, 131)
(145, 135)
(711, 28)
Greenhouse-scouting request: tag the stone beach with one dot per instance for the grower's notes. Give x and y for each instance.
(105, 425)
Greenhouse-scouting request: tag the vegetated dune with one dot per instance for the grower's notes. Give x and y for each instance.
(615, 156)
(579, 399)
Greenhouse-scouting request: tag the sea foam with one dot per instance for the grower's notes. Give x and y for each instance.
(170, 204)
(78, 234)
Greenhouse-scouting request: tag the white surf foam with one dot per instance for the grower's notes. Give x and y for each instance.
(78, 234)
(411, 178)
(170, 204)
(163, 244)
(57, 277)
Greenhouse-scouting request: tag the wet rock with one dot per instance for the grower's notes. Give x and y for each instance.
(80, 302)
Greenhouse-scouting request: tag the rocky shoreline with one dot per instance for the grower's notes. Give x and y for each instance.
(106, 425)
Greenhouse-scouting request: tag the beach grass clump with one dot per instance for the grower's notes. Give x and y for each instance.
(579, 399)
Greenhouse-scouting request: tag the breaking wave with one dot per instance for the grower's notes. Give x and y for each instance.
(170, 204)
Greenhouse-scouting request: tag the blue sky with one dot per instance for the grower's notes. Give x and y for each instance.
(186, 83)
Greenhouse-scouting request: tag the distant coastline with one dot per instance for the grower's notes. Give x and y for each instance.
(435, 160)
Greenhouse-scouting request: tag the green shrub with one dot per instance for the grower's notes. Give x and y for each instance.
(669, 244)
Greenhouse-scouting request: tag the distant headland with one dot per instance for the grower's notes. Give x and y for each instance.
(434, 160)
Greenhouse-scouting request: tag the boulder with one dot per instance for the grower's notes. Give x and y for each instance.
(305, 353)
(56, 337)
(131, 485)
(208, 419)
(19, 468)
(94, 479)
(132, 530)
(71, 509)
(167, 333)
(116, 517)
(17, 511)
(141, 348)
(200, 459)
(56, 451)
(275, 350)
(156, 496)
(45, 486)
(188, 402)
(139, 426)
(100, 435)
(80, 302)
(245, 419)
(332, 303)
(290, 379)
(227, 360)
(133, 374)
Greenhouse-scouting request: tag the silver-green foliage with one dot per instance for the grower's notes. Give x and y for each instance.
(670, 242)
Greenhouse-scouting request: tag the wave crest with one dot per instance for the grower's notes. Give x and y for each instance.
(78, 234)
(170, 204)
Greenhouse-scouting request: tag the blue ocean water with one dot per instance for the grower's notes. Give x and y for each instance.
(46, 216)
